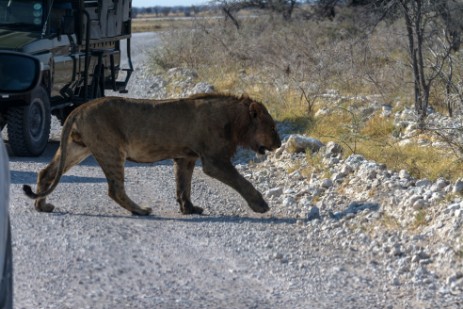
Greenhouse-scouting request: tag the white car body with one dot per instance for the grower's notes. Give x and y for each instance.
(6, 257)
(4, 201)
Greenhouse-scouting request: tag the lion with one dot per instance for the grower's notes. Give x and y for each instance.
(208, 127)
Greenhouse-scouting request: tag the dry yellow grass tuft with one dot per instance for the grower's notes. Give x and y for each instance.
(289, 66)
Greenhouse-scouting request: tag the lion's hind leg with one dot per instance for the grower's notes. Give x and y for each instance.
(75, 154)
(112, 164)
(44, 180)
(183, 173)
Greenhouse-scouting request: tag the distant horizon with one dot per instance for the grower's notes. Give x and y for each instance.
(151, 3)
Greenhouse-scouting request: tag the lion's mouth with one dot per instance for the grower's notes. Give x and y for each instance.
(261, 150)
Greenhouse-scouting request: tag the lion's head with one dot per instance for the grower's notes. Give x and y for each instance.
(262, 134)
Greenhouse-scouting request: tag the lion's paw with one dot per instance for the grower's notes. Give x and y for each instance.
(260, 207)
(143, 211)
(197, 210)
(45, 207)
(192, 210)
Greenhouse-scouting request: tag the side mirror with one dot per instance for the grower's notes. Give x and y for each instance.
(18, 72)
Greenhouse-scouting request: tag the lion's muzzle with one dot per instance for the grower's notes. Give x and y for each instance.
(275, 145)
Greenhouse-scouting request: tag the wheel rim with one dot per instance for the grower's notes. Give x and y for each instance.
(37, 120)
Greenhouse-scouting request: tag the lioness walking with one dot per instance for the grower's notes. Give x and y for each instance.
(208, 127)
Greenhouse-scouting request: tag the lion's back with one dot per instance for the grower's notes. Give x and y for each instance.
(167, 128)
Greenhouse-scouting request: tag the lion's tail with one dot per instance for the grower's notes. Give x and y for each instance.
(67, 128)
(28, 191)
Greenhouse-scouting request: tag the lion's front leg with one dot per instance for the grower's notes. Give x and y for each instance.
(183, 169)
(224, 171)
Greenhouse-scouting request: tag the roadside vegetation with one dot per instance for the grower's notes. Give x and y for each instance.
(321, 74)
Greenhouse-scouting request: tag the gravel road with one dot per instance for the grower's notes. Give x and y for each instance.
(91, 253)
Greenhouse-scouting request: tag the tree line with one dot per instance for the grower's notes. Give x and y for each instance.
(164, 11)
(433, 29)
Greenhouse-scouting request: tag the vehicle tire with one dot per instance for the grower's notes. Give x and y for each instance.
(6, 283)
(29, 125)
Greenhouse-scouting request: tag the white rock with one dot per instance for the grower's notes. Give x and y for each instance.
(436, 197)
(395, 281)
(414, 198)
(289, 191)
(420, 204)
(299, 143)
(338, 177)
(346, 169)
(289, 201)
(305, 201)
(296, 175)
(458, 186)
(458, 213)
(367, 171)
(355, 160)
(322, 112)
(386, 110)
(202, 88)
(454, 277)
(274, 192)
(403, 174)
(332, 149)
(326, 183)
(439, 185)
(331, 161)
(423, 183)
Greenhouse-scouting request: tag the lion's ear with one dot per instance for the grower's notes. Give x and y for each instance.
(244, 96)
(254, 110)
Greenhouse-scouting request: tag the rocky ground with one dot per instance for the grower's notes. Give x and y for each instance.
(349, 234)
(413, 227)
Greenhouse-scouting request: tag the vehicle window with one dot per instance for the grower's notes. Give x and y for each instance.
(21, 13)
(58, 11)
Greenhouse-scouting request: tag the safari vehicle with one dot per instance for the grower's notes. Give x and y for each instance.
(6, 258)
(78, 44)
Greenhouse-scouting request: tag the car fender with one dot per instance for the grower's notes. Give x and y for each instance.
(4, 201)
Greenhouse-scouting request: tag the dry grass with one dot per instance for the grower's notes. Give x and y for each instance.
(152, 24)
(378, 127)
(316, 166)
(288, 66)
(390, 222)
(420, 219)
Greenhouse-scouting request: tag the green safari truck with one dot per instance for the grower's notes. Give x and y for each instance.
(54, 56)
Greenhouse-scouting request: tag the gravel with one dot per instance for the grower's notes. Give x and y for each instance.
(328, 242)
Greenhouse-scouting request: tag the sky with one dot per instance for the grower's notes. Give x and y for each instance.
(150, 3)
